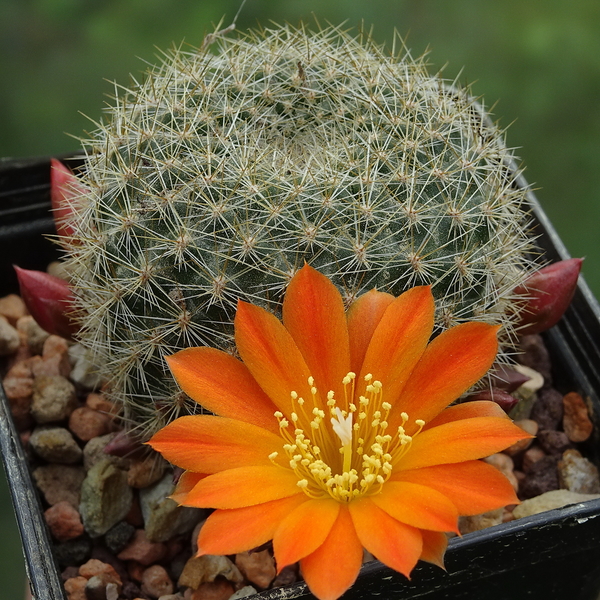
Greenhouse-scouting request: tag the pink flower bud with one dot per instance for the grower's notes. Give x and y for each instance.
(124, 444)
(49, 300)
(548, 293)
(65, 189)
(503, 399)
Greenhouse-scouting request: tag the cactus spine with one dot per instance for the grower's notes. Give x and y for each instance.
(222, 172)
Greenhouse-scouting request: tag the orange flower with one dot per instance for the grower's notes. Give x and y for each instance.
(334, 434)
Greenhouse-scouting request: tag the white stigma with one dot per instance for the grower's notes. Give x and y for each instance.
(342, 426)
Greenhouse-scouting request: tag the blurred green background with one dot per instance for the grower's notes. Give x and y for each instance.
(539, 60)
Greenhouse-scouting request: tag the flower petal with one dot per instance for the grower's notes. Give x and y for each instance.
(418, 506)
(209, 444)
(399, 340)
(331, 569)
(271, 355)
(452, 363)
(460, 441)
(467, 410)
(304, 530)
(393, 543)
(474, 487)
(241, 529)
(313, 313)
(434, 547)
(363, 317)
(244, 486)
(223, 385)
(186, 483)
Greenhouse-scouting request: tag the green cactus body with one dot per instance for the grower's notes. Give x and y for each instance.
(220, 174)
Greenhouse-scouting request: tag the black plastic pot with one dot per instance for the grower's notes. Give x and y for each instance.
(552, 555)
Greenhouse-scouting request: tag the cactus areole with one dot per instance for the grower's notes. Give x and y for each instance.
(226, 169)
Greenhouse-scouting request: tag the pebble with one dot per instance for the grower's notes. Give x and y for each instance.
(578, 474)
(216, 590)
(73, 552)
(163, 517)
(97, 567)
(482, 521)
(55, 358)
(142, 550)
(146, 471)
(101, 403)
(60, 482)
(56, 445)
(102, 587)
(75, 588)
(34, 335)
(506, 466)
(549, 501)
(105, 498)
(203, 569)
(530, 427)
(12, 308)
(257, 567)
(548, 409)
(553, 442)
(9, 338)
(576, 420)
(531, 456)
(19, 393)
(84, 372)
(244, 592)
(156, 582)
(118, 537)
(535, 355)
(93, 452)
(87, 423)
(286, 576)
(542, 477)
(53, 399)
(64, 521)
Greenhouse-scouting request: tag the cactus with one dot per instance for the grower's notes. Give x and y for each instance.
(228, 167)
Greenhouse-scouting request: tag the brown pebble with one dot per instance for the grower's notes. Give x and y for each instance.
(64, 521)
(53, 399)
(535, 355)
(553, 442)
(216, 590)
(576, 420)
(134, 516)
(60, 482)
(19, 393)
(97, 567)
(101, 403)
(547, 411)
(34, 335)
(531, 456)
(146, 471)
(75, 588)
(13, 308)
(542, 477)
(257, 567)
(156, 582)
(483, 521)
(86, 423)
(142, 550)
(9, 338)
(287, 575)
(135, 570)
(530, 427)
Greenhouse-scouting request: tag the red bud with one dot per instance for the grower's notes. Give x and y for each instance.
(49, 300)
(548, 293)
(126, 445)
(65, 188)
(507, 379)
(503, 399)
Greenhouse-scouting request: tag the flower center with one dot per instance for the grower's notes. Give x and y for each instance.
(353, 453)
